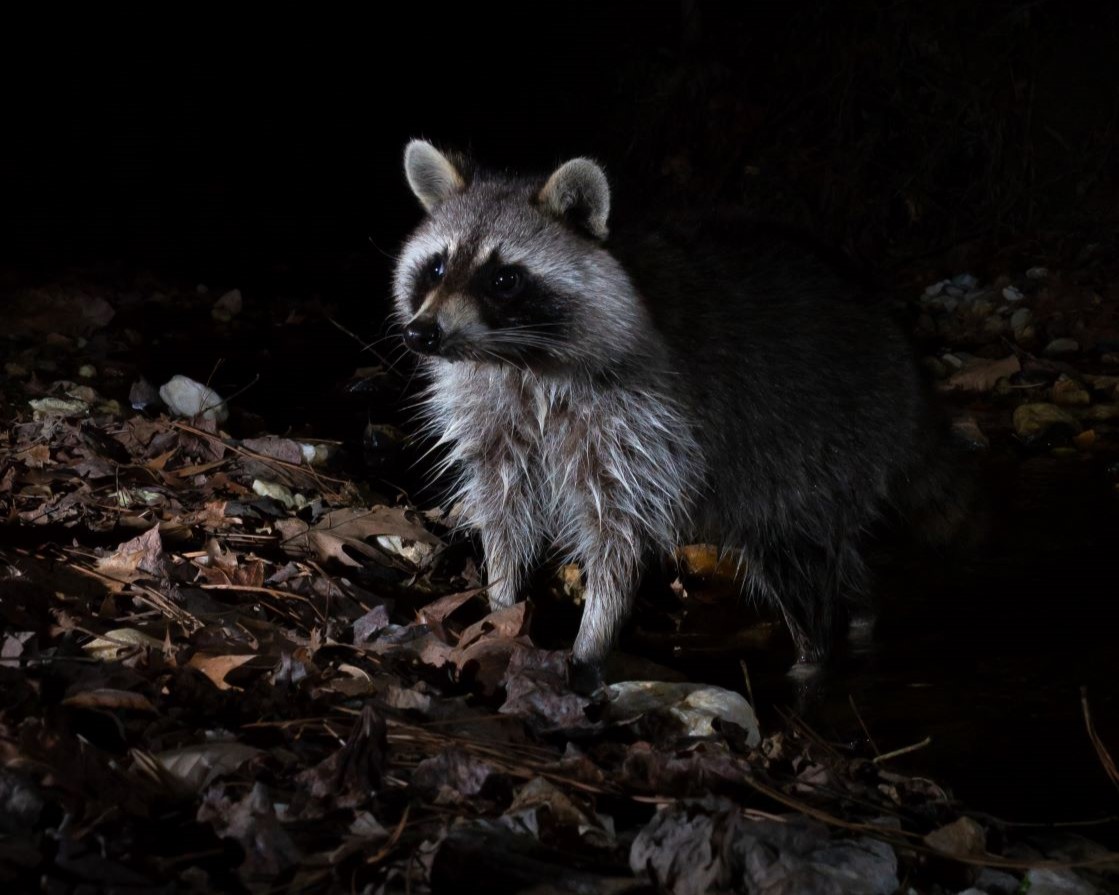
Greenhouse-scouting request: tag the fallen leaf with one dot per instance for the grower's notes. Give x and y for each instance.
(105, 698)
(121, 640)
(217, 667)
(981, 375)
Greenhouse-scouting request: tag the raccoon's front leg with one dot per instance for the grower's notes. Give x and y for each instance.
(507, 553)
(612, 571)
(502, 508)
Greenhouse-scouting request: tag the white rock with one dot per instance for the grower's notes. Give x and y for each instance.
(1012, 293)
(965, 281)
(1037, 273)
(231, 302)
(185, 397)
(693, 706)
(1062, 347)
(935, 288)
(952, 361)
(1057, 881)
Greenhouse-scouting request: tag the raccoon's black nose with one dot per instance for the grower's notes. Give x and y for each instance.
(423, 336)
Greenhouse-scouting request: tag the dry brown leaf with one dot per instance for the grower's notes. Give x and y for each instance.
(217, 667)
(35, 457)
(349, 528)
(509, 622)
(981, 375)
(122, 640)
(133, 559)
(106, 698)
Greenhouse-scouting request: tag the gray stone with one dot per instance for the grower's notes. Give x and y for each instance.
(1052, 881)
(1062, 347)
(1034, 420)
(1020, 319)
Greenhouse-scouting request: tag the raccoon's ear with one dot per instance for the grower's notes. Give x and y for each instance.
(578, 193)
(432, 176)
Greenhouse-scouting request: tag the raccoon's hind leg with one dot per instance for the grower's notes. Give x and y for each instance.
(811, 584)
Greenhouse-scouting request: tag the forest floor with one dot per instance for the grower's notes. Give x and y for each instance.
(234, 658)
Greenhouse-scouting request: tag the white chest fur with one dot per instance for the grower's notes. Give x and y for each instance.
(576, 465)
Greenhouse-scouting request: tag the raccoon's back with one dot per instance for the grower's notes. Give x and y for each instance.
(805, 391)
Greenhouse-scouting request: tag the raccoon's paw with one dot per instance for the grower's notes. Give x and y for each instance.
(585, 678)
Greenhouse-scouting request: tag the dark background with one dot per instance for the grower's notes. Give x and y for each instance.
(895, 130)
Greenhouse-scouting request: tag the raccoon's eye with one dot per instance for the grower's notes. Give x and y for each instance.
(436, 267)
(506, 282)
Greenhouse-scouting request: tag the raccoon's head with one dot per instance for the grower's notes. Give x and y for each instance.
(512, 270)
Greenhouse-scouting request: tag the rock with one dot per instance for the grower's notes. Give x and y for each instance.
(1034, 420)
(1020, 319)
(935, 289)
(228, 306)
(1069, 393)
(690, 707)
(965, 282)
(962, 837)
(1027, 337)
(995, 326)
(142, 394)
(1062, 348)
(981, 307)
(1101, 413)
(1111, 359)
(952, 361)
(1012, 293)
(996, 882)
(966, 430)
(1054, 881)
(1085, 439)
(87, 371)
(185, 397)
(1037, 273)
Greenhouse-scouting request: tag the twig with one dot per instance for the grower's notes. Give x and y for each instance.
(904, 750)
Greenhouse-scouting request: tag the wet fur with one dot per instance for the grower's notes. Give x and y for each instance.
(717, 386)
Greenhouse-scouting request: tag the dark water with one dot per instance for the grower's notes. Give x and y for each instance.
(986, 654)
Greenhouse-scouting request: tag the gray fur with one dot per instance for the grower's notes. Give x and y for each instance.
(579, 189)
(719, 387)
(432, 176)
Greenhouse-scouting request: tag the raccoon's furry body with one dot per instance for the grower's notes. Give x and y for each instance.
(614, 398)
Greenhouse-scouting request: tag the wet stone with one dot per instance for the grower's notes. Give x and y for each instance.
(1031, 421)
(1069, 393)
(1062, 347)
(1020, 319)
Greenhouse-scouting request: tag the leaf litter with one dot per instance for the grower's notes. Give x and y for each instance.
(227, 666)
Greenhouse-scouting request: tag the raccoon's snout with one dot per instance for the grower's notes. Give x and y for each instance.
(423, 336)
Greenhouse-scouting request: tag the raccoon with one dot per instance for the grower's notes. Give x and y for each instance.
(614, 397)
